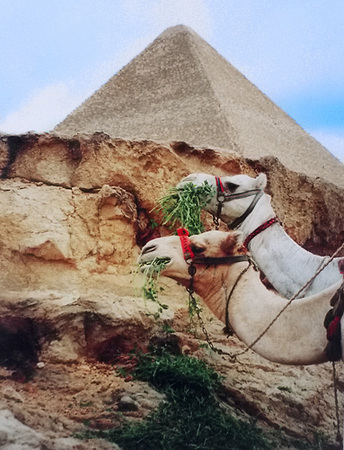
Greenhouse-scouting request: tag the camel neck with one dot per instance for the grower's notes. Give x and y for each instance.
(214, 284)
(260, 214)
(287, 266)
(297, 337)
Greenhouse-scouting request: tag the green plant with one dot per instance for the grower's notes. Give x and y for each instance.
(154, 224)
(151, 273)
(181, 207)
(190, 418)
(169, 372)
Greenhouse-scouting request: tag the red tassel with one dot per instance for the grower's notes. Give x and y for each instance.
(182, 232)
(341, 266)
(332, 329)
(184, 240)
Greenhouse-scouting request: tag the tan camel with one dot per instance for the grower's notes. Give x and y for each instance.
(297, 337)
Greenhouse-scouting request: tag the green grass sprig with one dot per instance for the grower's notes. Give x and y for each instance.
(181, 207)
(151, 273)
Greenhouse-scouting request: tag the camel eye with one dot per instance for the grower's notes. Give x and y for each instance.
(197, 250)
(231, 186)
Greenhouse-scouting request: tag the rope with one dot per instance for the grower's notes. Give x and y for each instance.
(234, 357)
(321, 268)
(335, 385)
(193, 305)
(228, 326)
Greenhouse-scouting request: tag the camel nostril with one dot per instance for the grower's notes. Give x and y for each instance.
(148, 249)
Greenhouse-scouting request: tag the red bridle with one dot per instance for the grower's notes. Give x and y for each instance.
(259, 229)
(191, 258)
(185, 243)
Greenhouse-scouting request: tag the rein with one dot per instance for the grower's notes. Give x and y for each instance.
(223, 197)
(187, 251)
(192, 259)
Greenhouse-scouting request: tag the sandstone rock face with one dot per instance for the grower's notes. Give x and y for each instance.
(74, 214)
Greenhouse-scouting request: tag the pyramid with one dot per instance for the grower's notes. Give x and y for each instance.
(180, 89)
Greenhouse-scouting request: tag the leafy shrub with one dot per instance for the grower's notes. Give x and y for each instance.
(191, 418)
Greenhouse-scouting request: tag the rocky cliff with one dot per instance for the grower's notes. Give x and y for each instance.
(74, 214)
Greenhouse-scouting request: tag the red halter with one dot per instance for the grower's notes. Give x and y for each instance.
(185, 243)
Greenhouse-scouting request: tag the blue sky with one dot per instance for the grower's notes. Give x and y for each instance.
(55, 54)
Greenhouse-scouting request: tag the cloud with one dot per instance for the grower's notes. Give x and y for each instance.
(43, 110)
(48, 106)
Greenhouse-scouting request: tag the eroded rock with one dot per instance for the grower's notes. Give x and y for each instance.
(74, 214)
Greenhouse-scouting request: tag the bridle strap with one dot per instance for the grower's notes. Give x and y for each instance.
(220, 196)
(193, 259)
(190, 257)
(209, 260)
(259, 229)
(248, 211)
(223, 197)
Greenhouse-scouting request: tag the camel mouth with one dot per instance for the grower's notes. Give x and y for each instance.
(156, 264)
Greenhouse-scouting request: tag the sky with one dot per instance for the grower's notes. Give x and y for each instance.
(56, 53)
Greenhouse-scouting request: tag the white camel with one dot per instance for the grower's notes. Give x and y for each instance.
(298, 335)
(240, 201)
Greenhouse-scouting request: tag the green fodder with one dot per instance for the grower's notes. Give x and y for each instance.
(181, 207)
(151, 273)
(191, 417)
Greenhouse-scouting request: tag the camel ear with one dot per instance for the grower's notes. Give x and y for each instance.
(261, 181)
(233, 242)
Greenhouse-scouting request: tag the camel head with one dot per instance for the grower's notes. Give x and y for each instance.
(201, 249)
(235, 193)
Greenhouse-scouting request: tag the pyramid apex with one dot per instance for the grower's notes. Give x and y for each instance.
(175, 29)
(181, 89)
